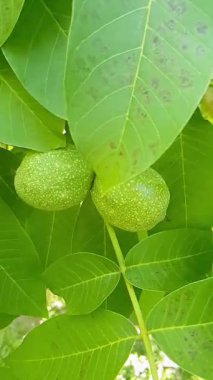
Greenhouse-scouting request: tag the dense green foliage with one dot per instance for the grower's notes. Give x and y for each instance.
(126, 82)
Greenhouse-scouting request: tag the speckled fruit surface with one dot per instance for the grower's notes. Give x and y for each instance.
(136, 205)
(53, 181)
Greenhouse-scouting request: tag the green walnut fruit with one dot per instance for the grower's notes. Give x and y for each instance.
(53, 181)
(136, 205)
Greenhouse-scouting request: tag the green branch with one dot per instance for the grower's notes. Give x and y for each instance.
(137, 309)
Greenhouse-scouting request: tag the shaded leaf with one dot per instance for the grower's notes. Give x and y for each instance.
(40, 53)
(78, 229)
(187, 169)
(23, 121)
(81, 348)
(130, 69)
(9, 162)
(170, 259)
(5, 320)
(6, 374)
(84, 280)
(9, 14)
(52, 233)
(56, 235)
(22, 291)
(182, 324)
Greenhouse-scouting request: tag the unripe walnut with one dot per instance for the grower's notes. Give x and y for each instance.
(53, 181)
(136, 205)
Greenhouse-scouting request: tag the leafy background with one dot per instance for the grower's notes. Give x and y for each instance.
(125, 79)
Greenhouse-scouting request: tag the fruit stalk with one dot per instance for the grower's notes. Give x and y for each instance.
(137, 309)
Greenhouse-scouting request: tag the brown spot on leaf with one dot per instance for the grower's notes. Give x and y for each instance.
(178, 7)
(202, 28)
(171, 24)
(155, 83)
(165, 95)
(112, 145)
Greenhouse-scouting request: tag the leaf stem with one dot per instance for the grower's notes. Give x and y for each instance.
(137, 309)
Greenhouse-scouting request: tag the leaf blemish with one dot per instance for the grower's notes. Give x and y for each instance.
(165, 95)
(178, 7)
(155, 83)
(112, 145)
(171, 24)
(202, 29)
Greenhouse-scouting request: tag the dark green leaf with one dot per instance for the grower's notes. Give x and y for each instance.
(5, 320)
(8, 165)
(23, 121)
(52, 233)
(131, 68)
(170, 259)
(182, 324)
(22, 291)
(81, 348)
(36, 51)
(84, 280)
(9, 14)
(75, 230)
(6, 374)
(187, 169)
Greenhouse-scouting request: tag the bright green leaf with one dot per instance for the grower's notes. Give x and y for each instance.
(23, 121)
(89, 347)
(182, 324)
(170, 259)
(21, 288)
(131, 68)
(187, 169)
(84, 280)
(40, 53)
(9, 14)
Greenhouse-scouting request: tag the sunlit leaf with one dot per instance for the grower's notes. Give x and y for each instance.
(81, 348)
(182, 324)
(40, 52)
(132, 66)
(23, 121)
